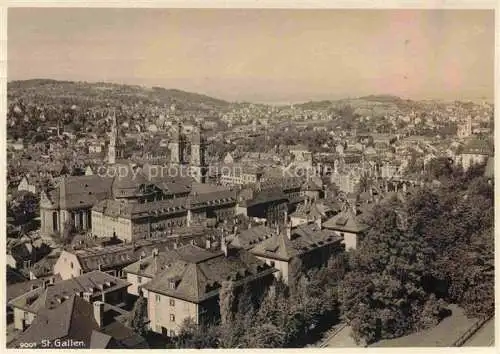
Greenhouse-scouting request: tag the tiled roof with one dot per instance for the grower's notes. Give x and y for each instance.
(110, 257)
(151, 265)
(196, 282)
(345, 221)
(304, 239)
(312, 210)
(250, 237)
(95, 282)
(18, 289)
(123, 335)
(73, 319)
(266, 196)
(82, 191)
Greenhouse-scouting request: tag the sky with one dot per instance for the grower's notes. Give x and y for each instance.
(261, 55)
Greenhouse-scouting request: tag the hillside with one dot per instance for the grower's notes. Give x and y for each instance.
(44, 91)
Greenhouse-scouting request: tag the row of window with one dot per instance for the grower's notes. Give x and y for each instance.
(171, 302)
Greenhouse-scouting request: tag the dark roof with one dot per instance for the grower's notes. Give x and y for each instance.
(124, 336)
(196, 282)
(345, 221)
(18, 289)
(151, 265)
(304, 239)
(313, 210)
(73, 319)
(266, 196)
(250, 237)
(81, 191)
(121, 255)
(95, 282)
(14, 277)
(100, 340)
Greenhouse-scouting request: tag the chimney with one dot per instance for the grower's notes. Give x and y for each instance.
(99, 267)
(175, 245)
(208, 243)
(99, 312)
(249, 225)
(155, 252)
(289, 230)
(193, 242)
(319, 223)
(52, 280)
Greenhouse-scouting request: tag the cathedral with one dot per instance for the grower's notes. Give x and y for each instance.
(196, 167)
(140, 203)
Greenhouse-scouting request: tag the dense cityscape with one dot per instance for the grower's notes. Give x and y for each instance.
(249, 178)
(177, 220)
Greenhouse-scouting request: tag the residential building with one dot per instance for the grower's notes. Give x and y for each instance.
(189, 288)
(75, 323)
(310, 243)
(93, 286)
(239, 174)
(114, 258)
(30, 184)
(347, 225)
(476, 151)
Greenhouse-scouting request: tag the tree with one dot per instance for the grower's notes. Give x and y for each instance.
(192, 335)
(138, 317)
(226, 301)
(383, 295)
(228, 332)
(294, 273)
(23, 207)
(265, 335)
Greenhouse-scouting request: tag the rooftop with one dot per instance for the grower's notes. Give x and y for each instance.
(304, 239)
(196, 282)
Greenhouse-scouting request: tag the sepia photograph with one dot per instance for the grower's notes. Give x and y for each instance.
(249, 178)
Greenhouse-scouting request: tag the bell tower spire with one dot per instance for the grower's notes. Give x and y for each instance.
(112, 141)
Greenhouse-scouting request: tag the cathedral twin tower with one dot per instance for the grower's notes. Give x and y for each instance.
(196, 168)
(197, 164)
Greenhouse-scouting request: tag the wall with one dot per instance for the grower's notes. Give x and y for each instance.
(19, 316)
(160, 309)
(133, 279)
(105, 226)
(282, 266)
(296, 221)
(67, 266)
(350, 240)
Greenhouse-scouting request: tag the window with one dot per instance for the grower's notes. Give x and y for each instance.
(172, 302)
(71, 265)
(157, 298)
(172, 318)
(139, 279)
